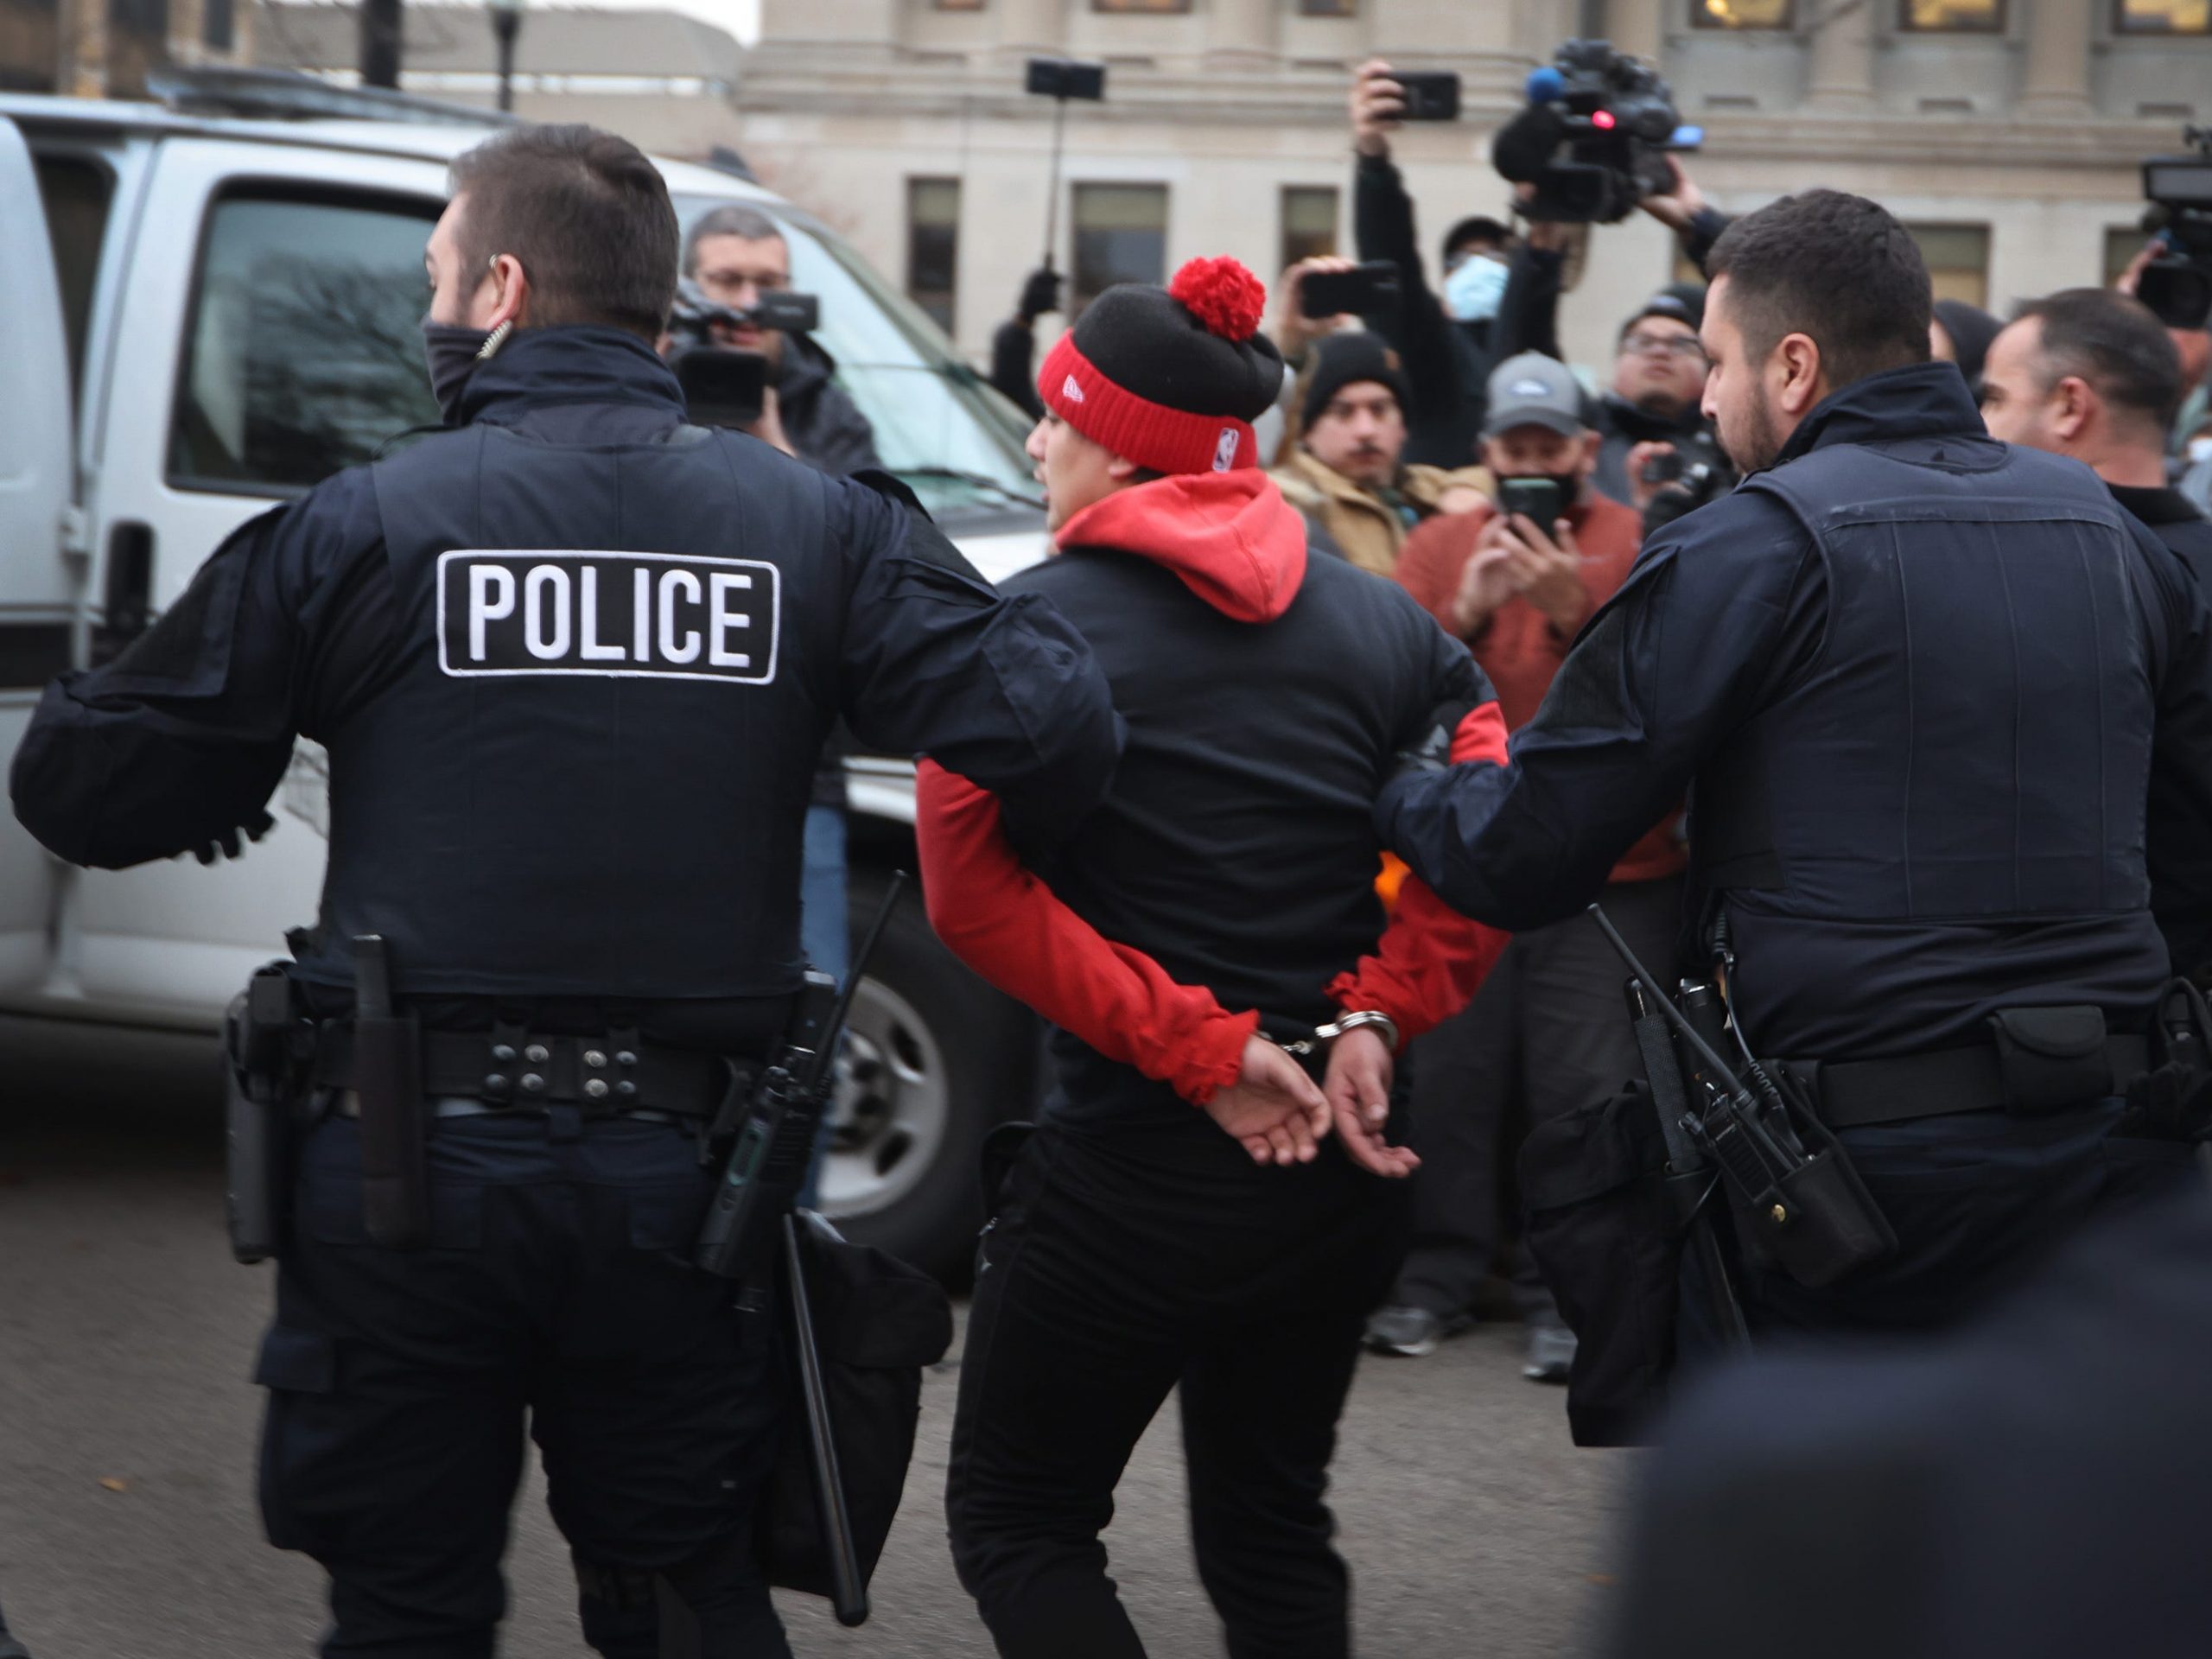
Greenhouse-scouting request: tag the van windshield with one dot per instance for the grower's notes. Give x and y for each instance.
(938, 427)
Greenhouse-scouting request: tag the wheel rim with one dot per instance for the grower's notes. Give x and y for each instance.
(887, 1116)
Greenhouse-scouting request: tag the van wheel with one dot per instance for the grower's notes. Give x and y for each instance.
(934, 1060)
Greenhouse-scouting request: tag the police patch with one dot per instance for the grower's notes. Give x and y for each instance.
(619, 615)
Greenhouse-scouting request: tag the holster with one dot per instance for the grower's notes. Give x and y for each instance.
(259, 1076)
(388, 1081)
(1818, 1223)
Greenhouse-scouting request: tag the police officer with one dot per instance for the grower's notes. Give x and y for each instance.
(573, 660)
(1923, 683)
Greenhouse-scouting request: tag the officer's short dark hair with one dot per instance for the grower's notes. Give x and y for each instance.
(2115, 344)
(733, 220)
(1836, 268)
(585, 214)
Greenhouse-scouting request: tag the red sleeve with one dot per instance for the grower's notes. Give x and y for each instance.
(1010, 928)
(1430, 961)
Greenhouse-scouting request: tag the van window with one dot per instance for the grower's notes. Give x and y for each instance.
(304, 352)
(75, 193)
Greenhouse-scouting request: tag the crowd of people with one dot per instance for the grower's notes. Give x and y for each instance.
(1392, 435)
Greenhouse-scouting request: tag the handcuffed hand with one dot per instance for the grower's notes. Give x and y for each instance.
(1357, 1085)
(1274, 1108)
(1378, 108)
(227, 845)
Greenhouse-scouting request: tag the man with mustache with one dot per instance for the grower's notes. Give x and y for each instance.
(1348, 475)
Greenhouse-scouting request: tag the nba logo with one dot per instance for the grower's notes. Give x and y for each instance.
(1224, 452)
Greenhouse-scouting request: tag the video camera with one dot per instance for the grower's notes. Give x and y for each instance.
(1697, 472)
(1594, 136)
(724, 385)
(2177, 284)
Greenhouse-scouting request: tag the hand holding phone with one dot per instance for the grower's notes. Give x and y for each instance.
(1361, 290)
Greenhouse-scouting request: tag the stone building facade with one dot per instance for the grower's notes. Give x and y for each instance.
(2007, 132)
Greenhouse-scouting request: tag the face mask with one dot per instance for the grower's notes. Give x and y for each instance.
(1474, 289)
(453, 350)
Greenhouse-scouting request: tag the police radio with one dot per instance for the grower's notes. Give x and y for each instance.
(768, 1163)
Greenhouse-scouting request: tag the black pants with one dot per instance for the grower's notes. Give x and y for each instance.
(555, 1289)
(1547, 1034)
(1979, 1200)
(1122, 1267)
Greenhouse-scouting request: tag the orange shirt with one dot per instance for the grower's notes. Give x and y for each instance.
(1518, 647)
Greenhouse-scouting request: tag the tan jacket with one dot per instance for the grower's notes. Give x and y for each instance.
(1367, 530)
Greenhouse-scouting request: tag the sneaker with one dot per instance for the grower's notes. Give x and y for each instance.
(1413, 1332)
(1551, 1353)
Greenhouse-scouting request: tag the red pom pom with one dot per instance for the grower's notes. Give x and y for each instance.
(1220, 293)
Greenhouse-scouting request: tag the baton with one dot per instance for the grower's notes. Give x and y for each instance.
(848, 1594)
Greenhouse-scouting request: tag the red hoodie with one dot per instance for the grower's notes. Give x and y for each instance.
(1231, 539)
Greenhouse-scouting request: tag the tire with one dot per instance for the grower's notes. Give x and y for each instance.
(934, 1060)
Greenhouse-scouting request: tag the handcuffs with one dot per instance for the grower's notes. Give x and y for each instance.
(1384, 1026)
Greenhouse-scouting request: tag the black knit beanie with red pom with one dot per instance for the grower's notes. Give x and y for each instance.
(1169, 378)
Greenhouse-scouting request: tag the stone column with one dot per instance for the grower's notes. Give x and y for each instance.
(1843, 55)
(2056, 83)
(1636, 27)
(1242, 35)
(1032, 28)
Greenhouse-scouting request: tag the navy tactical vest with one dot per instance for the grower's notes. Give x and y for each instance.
(588, 770)
(1943, 807)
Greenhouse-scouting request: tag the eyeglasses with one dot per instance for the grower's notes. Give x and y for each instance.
(1664, 345)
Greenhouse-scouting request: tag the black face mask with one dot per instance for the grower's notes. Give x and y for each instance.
(453, 350)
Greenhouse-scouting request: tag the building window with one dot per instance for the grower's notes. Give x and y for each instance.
(1957, 257)
(1140, 5)
(215, 25)
(933, 245)
(2161, 17)
(1120, 236)
(2122, 244)
(1742, 14)
(1309, 223)
(1328, 8)
(1953, 16)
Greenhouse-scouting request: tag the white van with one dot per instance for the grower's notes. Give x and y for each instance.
(200, 315)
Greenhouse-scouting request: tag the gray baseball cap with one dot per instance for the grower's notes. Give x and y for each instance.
(1533, 389)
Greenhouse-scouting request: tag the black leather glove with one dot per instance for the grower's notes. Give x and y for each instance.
(228, 844)
(1040, 292)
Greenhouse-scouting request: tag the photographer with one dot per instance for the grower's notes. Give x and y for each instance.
(1450, 342)
(736, 255)
(1544, 1036)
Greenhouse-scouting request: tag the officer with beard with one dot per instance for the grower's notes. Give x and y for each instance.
(573, 659)
(1929, 690)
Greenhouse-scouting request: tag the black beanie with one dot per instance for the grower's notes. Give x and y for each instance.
(1342, 360)
(1169, 378)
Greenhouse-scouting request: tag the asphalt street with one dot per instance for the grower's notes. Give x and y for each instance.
(128, 1528)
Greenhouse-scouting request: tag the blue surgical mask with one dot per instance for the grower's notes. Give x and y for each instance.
(1474, 289)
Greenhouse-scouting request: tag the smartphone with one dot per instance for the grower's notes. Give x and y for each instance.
(1431, 95)
(722, 387)
(1363, 289)
(1536, 499)
(788, 313)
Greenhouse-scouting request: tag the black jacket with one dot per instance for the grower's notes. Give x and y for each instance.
(1447, 363)
(1925, 723)
(573, 662)
(825, 425)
